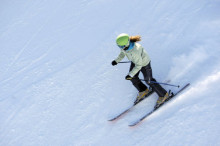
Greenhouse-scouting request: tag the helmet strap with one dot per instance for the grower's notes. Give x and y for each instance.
(126, 48)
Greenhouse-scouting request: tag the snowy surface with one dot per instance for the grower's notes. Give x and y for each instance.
(57, 85)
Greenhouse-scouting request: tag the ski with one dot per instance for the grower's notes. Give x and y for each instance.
(135, 103)
(158, 106)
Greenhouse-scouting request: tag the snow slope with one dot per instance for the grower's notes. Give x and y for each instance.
(57, 85)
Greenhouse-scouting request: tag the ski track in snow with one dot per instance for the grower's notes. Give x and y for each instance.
(24, 48)
(58, 86)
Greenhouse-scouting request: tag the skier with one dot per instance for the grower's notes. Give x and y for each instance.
(140, 62)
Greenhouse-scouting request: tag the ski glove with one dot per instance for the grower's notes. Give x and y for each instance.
(128, 77)
(114, 63)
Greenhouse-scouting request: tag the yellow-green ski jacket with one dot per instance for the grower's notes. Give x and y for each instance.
(137, 55)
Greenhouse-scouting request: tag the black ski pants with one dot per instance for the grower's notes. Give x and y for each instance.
(147, 72)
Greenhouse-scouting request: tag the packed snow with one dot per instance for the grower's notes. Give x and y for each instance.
(58, 87)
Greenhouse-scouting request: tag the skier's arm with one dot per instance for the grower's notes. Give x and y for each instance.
(137, 68)
(120, 57)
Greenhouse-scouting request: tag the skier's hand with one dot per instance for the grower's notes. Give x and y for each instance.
(128, 77)
(114, 63)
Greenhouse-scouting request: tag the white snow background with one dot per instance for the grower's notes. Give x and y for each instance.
(58, 87)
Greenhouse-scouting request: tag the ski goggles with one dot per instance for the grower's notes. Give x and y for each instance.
(124, 46)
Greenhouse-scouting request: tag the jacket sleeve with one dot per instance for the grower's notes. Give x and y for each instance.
(137, 68)
(120, 57)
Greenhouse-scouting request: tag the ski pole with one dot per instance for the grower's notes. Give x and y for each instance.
(162, 83)
(125, 62)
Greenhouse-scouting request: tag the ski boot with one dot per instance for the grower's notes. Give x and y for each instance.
(141, 95)
(162, 99)
(166, 97)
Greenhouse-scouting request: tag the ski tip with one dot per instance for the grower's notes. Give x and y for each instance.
(131, 125)
(134, 124)
(186, 85)
(110, 120)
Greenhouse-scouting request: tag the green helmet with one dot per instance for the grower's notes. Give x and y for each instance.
(123, 40)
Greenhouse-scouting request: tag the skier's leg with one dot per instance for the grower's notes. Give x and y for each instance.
(147, 72)
(136, 81)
